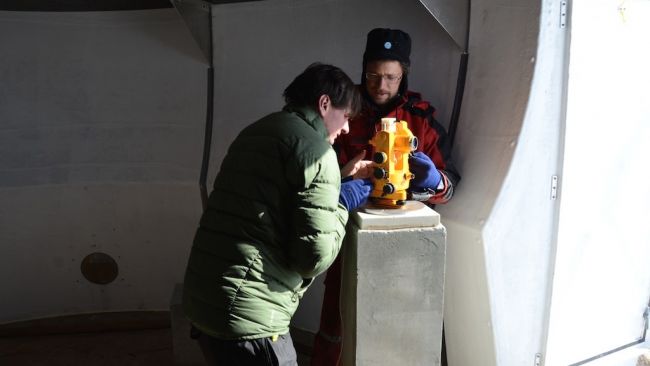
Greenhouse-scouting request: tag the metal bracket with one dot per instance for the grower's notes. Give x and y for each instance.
(563, 7)
(554, 187)
(538, 359)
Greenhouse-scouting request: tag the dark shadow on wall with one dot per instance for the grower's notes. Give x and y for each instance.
(94, 5)
(82, 5)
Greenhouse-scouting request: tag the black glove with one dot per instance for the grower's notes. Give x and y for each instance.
(354, 193)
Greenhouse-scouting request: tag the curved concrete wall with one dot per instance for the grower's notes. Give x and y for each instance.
(501, 222)
(101, 130)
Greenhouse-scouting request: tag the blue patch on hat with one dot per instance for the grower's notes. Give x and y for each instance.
(388, 45)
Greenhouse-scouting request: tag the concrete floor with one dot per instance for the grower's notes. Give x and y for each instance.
(118, 348)
(151, 347)
(127, 348)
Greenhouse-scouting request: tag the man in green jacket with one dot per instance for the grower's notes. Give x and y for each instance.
(275, 220)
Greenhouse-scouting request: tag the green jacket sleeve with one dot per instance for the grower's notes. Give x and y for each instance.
(318, 221)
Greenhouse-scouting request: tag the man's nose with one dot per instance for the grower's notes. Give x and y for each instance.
(383, 82)
(346, 127)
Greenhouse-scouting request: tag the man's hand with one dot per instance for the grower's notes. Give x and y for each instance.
(426, 174)
(354, 193)
(358, 168)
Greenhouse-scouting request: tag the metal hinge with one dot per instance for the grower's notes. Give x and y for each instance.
(553, 187)
(563, 7)
(538, 359)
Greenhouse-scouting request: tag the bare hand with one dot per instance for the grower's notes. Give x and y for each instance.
(358, 168)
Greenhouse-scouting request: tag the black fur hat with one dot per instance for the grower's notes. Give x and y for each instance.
(388, 44)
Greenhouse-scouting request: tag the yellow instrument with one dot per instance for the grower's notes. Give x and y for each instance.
(392, 146)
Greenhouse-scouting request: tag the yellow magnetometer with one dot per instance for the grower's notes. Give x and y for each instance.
(392, 146)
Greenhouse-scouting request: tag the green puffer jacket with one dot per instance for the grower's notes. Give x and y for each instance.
(272, 224)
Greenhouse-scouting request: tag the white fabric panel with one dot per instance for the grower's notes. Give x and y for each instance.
(602, 281)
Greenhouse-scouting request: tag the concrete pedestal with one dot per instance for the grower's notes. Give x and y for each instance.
(392, 291)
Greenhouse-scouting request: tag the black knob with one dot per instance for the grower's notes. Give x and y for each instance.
(379, 157)
(388, 188)
(380, 173)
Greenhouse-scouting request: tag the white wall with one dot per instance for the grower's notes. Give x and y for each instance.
(101, 124)
(503, 236)
(259, 47)
(500, 224)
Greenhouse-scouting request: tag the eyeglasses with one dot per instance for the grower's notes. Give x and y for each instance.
(376, 78)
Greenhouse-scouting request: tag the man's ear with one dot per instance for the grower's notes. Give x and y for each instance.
(324, 104)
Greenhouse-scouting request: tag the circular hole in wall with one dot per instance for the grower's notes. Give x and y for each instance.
(99, 268)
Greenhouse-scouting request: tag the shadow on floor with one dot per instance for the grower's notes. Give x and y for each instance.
(118, 348)
(124, 348)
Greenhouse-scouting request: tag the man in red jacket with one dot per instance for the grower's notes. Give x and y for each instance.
(384, 86)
